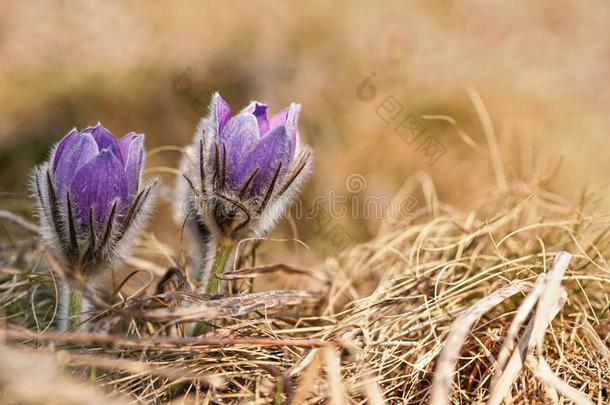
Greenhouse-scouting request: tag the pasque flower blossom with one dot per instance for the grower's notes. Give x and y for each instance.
(90, 199)
(240, 174)
(246, 169)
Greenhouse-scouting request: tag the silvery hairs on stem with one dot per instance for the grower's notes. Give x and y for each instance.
(241, 171)
(90, 199)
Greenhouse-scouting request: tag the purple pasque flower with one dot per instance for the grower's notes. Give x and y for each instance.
(89, 196)
(246, 168)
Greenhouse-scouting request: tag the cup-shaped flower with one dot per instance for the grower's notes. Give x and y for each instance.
(89, 197)
(245, 170)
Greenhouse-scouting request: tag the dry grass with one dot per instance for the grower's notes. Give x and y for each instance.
(370, 323)
(372, 327)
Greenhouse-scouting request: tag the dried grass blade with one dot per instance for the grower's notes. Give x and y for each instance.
(522, 314)
(307, 379)
(336, 390)
(596, 341)
(545, 373)
(229, 307)
(549, 303)
(35, 378)
(445, 367)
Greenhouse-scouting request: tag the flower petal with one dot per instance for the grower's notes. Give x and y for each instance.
(104, 139)
(132, 155)
(98, 184)
(278, 119)
(260, 112)
(270, 151)
(222, 112)
(239, 136)
(288, 117)
(73, 156)
(292, 125)
(63, 144)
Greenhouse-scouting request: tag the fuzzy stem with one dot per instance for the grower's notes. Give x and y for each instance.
(70, 306)
(63, 299)
(76, 307)
(223, 251)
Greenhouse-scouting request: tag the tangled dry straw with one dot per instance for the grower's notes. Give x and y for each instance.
(454, 306)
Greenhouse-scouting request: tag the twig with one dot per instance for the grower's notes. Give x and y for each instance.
(250, 272)
(94, 339)
(227, 307)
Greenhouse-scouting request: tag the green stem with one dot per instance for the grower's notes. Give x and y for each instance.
(75, 308)
(70, 307)
(223, 251)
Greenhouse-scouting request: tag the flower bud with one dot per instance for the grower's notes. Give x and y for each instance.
(244, 168)
(89, 197)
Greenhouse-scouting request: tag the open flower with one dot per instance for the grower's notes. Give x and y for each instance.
(90, 199)
(246, 169)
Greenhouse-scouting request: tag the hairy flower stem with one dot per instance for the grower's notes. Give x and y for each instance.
(76, 307)
(223, 251)
(63, 299)
(70, 307)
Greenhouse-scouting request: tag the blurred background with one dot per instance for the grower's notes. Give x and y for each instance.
(389, 90)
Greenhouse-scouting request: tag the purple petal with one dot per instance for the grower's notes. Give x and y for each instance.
(239, 136)
(66, 140)
(288, 117)
(260, 112)
(132, 154)
(73, 156)
(104, 139)
(272, 150)
(278, 119)
(292, 125)
(98, 184)
(222, 112)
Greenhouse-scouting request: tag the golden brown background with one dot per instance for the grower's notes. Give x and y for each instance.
(541, 68)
